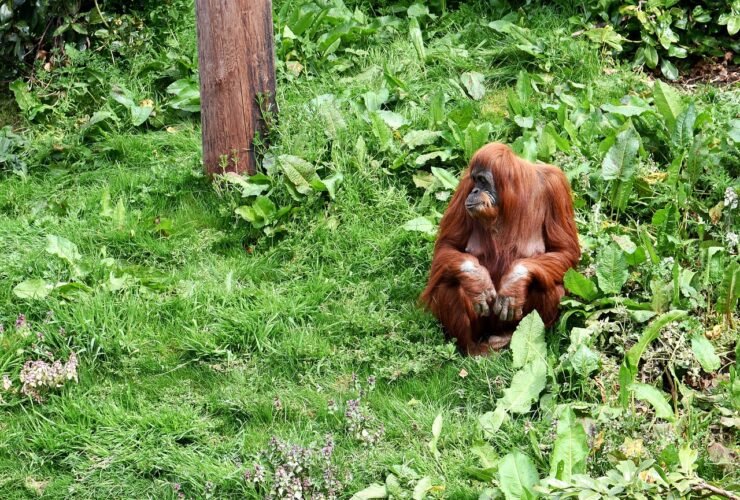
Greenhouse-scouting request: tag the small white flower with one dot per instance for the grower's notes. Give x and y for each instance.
(732, 239)
(731, 199)
(7, 383)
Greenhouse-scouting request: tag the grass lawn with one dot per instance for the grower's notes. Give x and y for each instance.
(200, 337)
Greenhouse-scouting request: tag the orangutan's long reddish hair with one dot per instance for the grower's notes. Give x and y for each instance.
(492, 268)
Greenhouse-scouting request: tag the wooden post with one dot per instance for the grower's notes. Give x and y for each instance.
(235, 52)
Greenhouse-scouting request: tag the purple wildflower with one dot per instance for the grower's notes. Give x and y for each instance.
(21, 322)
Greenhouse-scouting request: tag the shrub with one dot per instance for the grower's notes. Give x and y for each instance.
(28, 27)
(667, 31)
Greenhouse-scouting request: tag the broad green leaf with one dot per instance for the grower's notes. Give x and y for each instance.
(448, 180)
(490, 422)
(298, 171)
(442, 156)
(488, 457)
(620, 193)
(186, 95)
(668, 102)
(261, 213)
(374, 100)
(611, 270)
(734, 131)
(475, 137)
(393, 486)
(416, 138)
(687, 458)
(436, 432)
(122, 96)
(625, 243)
(682, 136)
(393, 120)
(705, 354)
(417, 39)
(502, 26)
(517, 476)
(625, 110)
(23, 98)
(619, 162)
(437, 109)
(62, 248)
(140, 114)
(105, 208)
(584, 361)
(560, 141)
(331, 183)
(655, 397)
(607, 36)
(578, 284)
(545, 145)
(570, 450)
(473, 82)
(422, 486)
(526, 386)
(417, 10)
(668, 69)
(423, 180)
(651, 56)
(421, 224)
(677, 52)
(250, 186)
(72, 290)
(523, 86)
(99, 117)
(373, 491)
(733, 24)
(729, 290)
(524, 121)
(33, 289)
(29, 104)
(381, 132)
(333, 120)
(528, 341)
(264, 207)
(666, 221)
(119, 214)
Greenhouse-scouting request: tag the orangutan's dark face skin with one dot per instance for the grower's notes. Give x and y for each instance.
(482, 202)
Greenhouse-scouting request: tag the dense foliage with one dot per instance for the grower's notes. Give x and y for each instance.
(30, 28)
(155, 331)
(662, 32)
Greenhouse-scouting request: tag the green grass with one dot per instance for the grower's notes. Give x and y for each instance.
(180, 372)
(179, 385)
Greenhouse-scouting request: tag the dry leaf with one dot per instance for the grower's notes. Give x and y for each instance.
(655, 177)
(715, 213)
(37, 487)
(632, 447)
(463, 373)
(719, 454)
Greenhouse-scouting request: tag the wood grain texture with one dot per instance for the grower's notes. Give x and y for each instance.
(236, 57)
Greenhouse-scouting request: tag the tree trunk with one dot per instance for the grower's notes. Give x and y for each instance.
(237, 70)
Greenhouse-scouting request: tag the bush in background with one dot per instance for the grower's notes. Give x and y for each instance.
(30, 28)
(667, 31)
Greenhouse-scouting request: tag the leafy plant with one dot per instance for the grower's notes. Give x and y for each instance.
(667, 31)
(297, 176)
(28, 29)
(12, 147)
(311, 33)
(530, 356)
